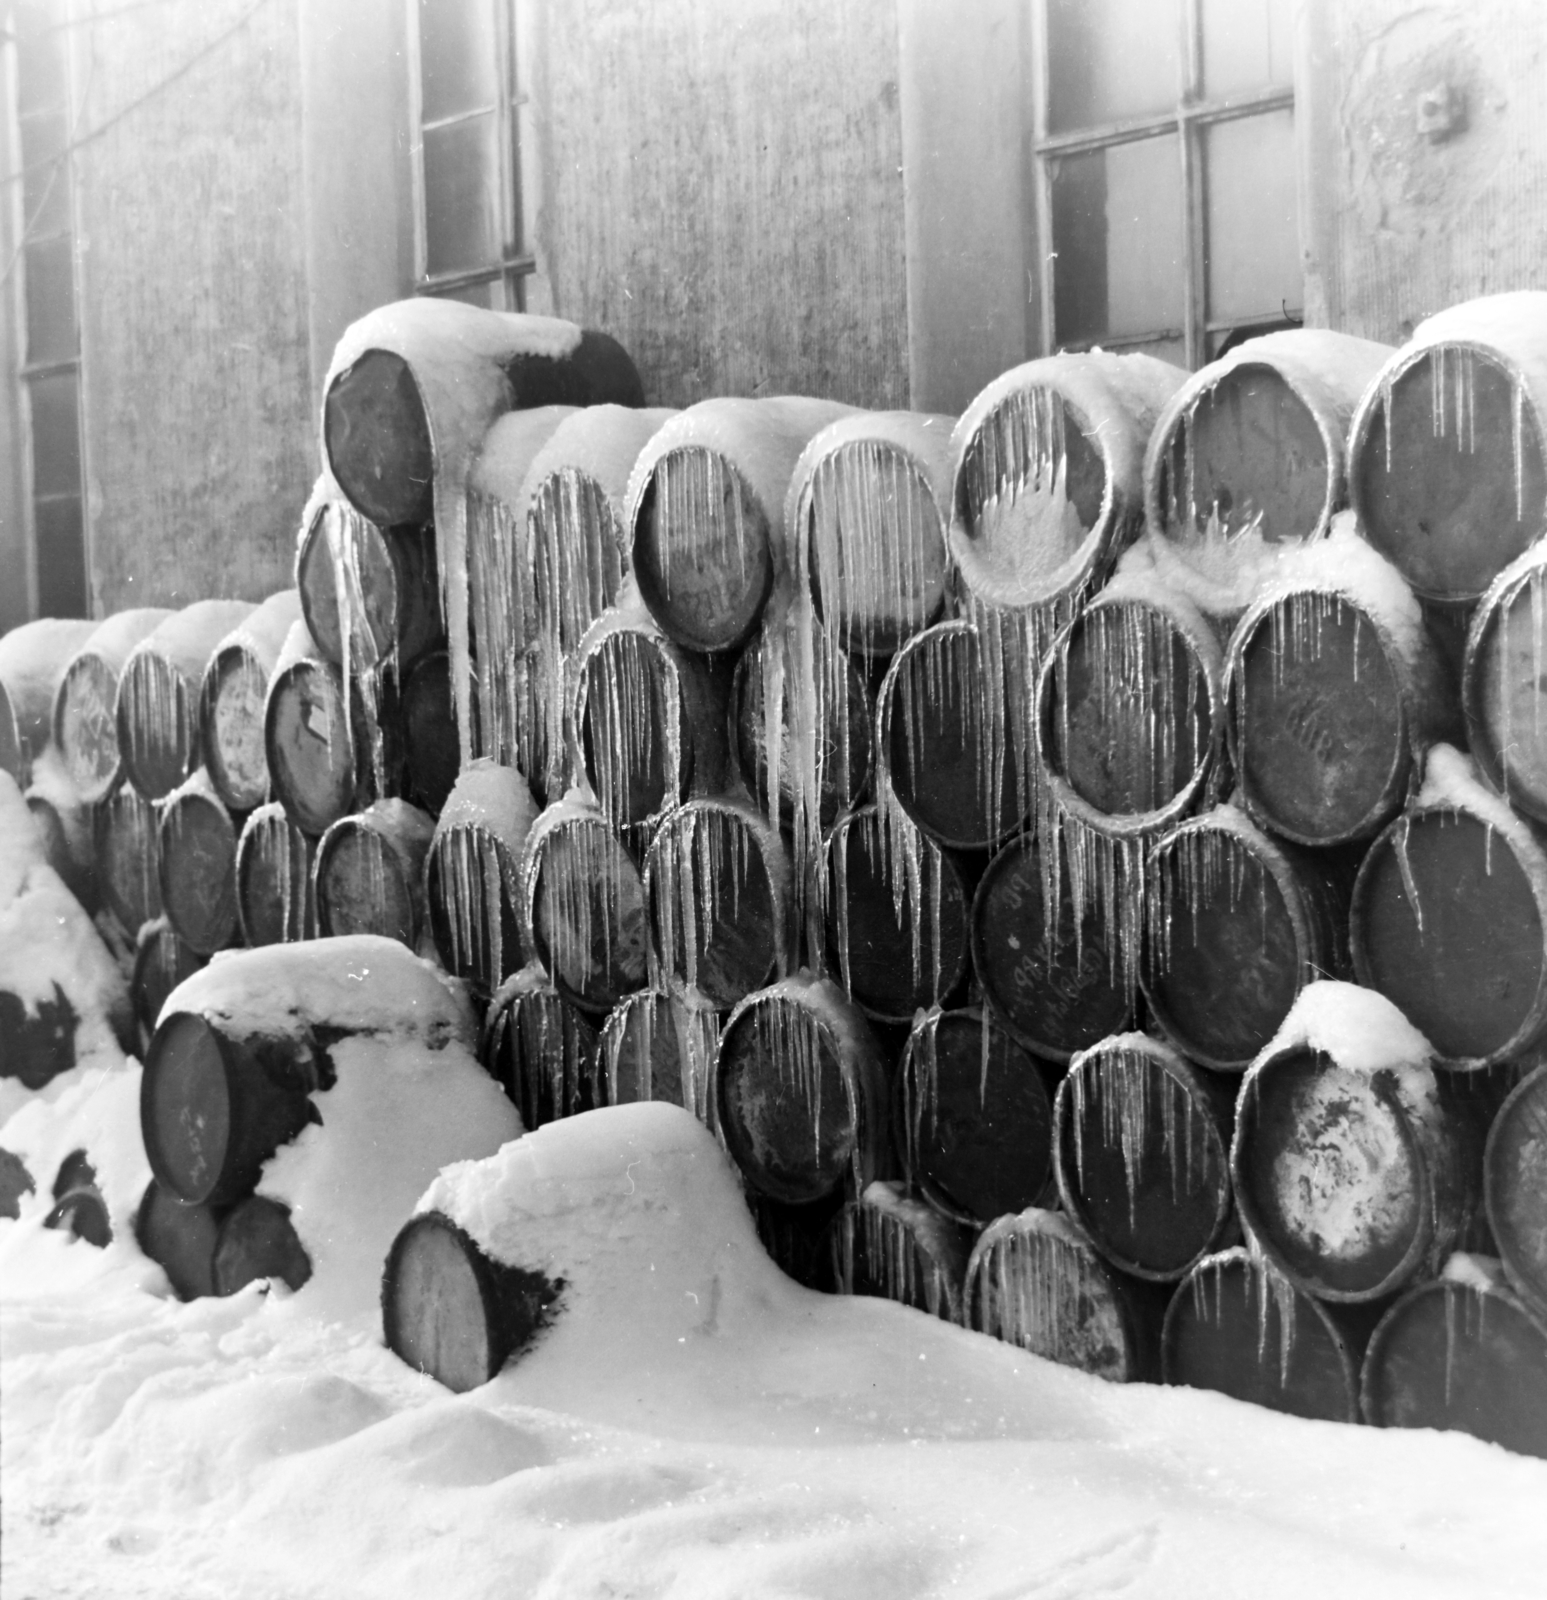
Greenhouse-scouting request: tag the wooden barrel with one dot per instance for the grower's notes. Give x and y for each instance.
(33, 659)
(431, 759)
(369, 873)
(975, 1120)
(197, 865)
(1449, 920)
(944, 741)
(128, 847)
(85, 727)
(1049, 481)
(706, 512)
(583, 904)
(789, 694)
(1239, 924)
(1515, 1187)
(1248, 456)
(451, 1310)
(717, 885)
(894, 916)
(542, 1050)
(1461, 1353)
(274, 858)
(888, 1244)
(157, 709)
(1128, 710)
(369, 594)
(180, 1238)
(1055, 989)
(1447, 468)
(80, 1208)
(161, 961)
(1035, 1281)
(1356, 1173)
(650, 719)
(866, 516)
(1240, 1328)
(214, 1108)
(257, 1241)
(1142, 1154)
(232, 698)
(1336, 690)
(655, 1046)
(801, 1093)
(472, 874)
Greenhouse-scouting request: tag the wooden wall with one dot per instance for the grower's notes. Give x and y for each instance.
(722, 190)
(198, 415)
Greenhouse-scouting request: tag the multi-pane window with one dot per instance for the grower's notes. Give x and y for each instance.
(45, 269)
(471, 111)
(1166, 173)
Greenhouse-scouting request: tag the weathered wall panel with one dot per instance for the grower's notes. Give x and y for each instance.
(722, 190)
(198, 413)
(1426, 170)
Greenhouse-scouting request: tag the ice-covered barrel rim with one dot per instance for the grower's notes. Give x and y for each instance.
(1448, 450)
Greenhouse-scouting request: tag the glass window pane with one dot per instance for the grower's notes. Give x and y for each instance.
(1247, 46)
(1253, 218)
(45, 182)
(56, 438)
(473, 294)
(461, 196)
(61, 548)
(50, 301)
(1117, 234)
(458, 57)
(1111, 59)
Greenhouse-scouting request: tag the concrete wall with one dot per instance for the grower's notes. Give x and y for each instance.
(16, 601)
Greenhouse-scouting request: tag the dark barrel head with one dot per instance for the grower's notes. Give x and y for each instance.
(430, 732)
(128, 851)
(470, 899)
(258, 1240)
(186, 1108)
(198, 871)
(589, 927)
(311, 752)
(273, 879)
(1515, 1186)
(377, 436)
(180, 1239)
(631, 742)
(543, 1052)
(363, 885)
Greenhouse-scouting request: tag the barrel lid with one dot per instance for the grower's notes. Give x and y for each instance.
(186, 1107)
(1515, 1186)
(363, 884)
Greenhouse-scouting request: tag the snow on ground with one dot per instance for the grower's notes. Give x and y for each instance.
(771, 1442)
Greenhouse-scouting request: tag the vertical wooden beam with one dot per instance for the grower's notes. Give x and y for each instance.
(1316, 77)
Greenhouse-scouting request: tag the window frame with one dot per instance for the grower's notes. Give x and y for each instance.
(1188, 120)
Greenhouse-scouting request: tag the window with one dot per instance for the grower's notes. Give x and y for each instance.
(45, 286)
(471, 111)
(1165, 171)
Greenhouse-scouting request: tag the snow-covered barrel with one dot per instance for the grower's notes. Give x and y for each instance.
(369, 594)
(1237, 1326)
(257, 1240)
(894, 916)
(85, 727)
(79, 1207)
(157, 709)
(431, 758)
(1449, 919)
(472, 874)
(890, 1244)
(1055, 990)
(274, 879)
(1240, 923)
(654, 1045)
(1249, 458)
(947, 745)
(196, 862)
(369, 873)
(1357, 1168)
(180, 1238)
(162, 960)
(800, 1092)
(66, 825)
(1447, 469)
(1515, 1187)
(1465, 1353)
(1142, 1155)
(128, 845)
(33, 660)
(866, 515)
(1336, 689)
(706, 505)
(1035, 1281)
(719, 892)
(541, 1050)
(1049, 483)
(232, 697)
(649, 718)
(976, 1124)
(1129, 709)
(583, 906)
